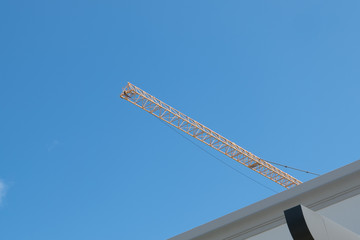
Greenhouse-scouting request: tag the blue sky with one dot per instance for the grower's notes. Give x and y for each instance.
(279, 78)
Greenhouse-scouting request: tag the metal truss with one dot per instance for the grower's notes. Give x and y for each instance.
(195, 129)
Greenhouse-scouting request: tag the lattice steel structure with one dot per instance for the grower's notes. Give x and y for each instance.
(195, 129)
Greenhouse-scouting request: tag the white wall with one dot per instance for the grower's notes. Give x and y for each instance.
(345, 213)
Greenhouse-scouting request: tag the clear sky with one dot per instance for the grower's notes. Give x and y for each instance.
(279, 78)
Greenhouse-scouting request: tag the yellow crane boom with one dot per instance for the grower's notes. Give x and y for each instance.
(195, 129)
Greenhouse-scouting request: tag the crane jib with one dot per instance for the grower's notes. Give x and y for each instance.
(197, 130)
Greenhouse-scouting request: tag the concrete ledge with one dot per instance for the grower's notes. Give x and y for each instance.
(315, 194)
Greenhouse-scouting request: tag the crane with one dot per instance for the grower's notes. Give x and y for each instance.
(197, 130)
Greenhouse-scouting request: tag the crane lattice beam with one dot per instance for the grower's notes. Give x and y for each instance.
(195, 129)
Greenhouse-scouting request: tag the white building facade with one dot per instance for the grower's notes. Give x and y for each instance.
(335, 196)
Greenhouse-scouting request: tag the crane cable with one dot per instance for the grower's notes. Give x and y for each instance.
(223, 162)
(220, 160)
(296, 169)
